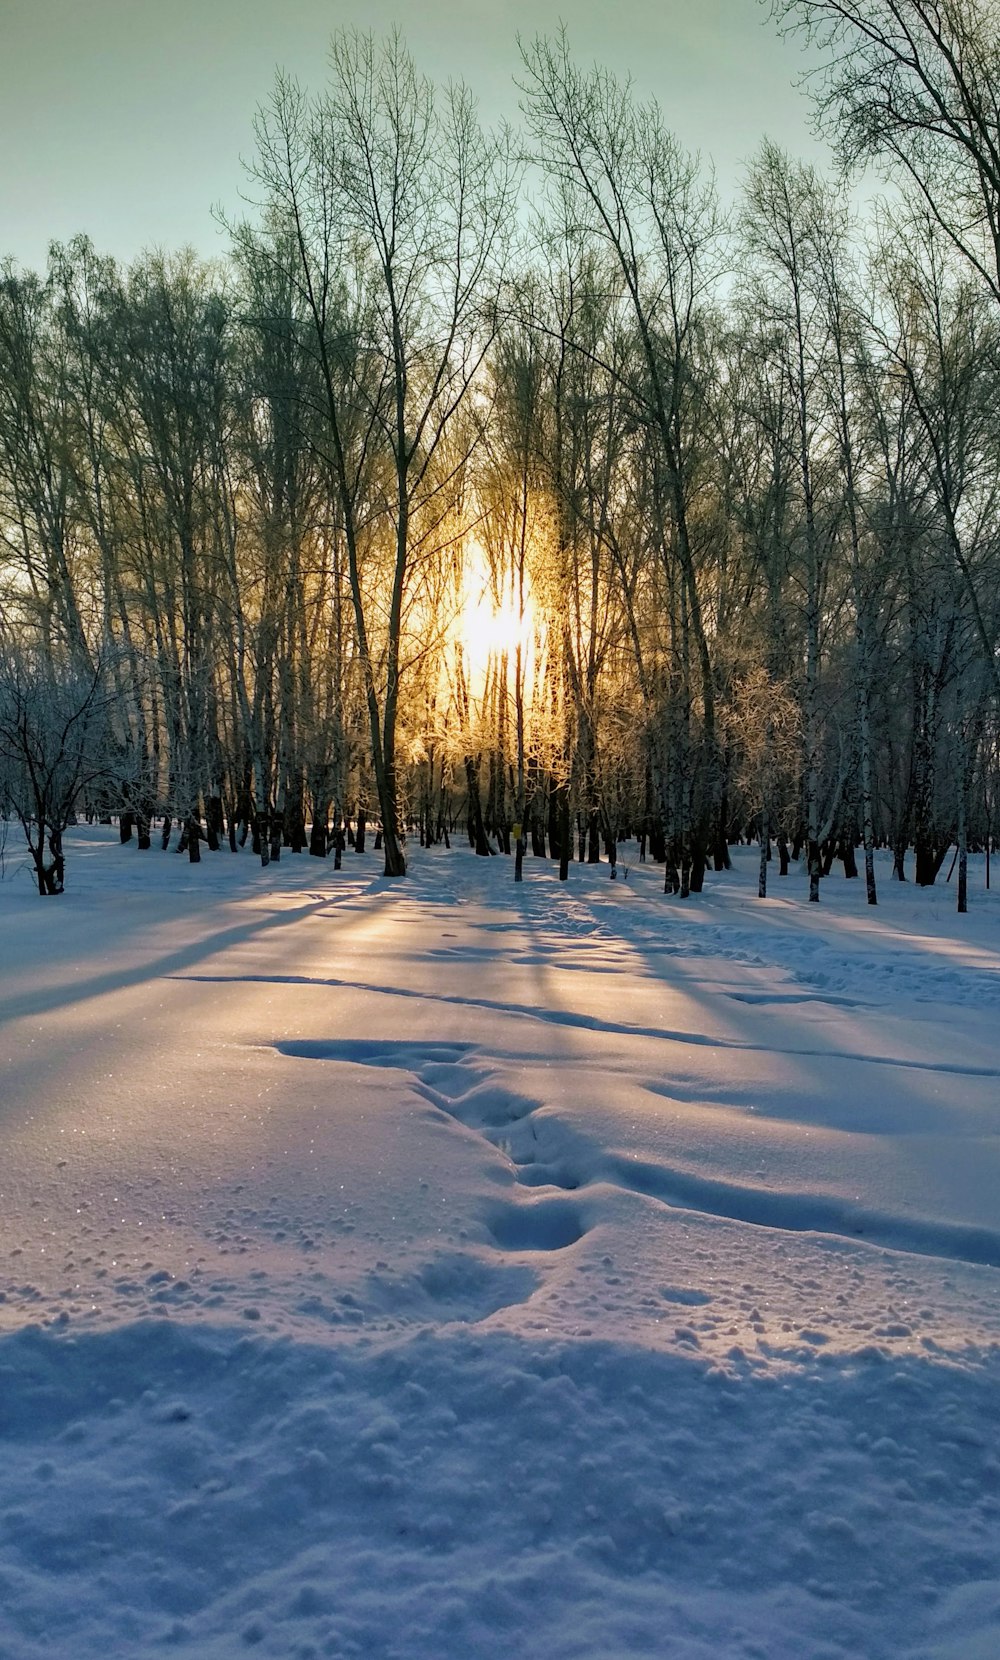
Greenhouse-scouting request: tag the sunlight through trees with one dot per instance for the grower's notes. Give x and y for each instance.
(512, 486)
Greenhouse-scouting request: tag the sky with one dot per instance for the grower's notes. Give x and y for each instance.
(127, 119)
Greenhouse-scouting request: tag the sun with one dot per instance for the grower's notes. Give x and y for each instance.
(488, 629)
(491, 626)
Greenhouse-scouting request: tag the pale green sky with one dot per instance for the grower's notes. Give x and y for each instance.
(126, 118)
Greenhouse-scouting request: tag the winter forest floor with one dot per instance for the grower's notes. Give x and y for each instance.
(454, 1271)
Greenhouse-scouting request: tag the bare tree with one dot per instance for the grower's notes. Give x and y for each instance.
(399, 210)
(38, 522)
(625, 183)
(55, 743)
(784, 228)
(916, 83)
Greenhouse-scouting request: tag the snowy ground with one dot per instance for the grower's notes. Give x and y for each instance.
(454, 1271)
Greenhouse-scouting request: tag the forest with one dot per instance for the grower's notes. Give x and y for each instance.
(511, 485)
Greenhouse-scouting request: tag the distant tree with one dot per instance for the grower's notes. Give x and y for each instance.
(766, 723)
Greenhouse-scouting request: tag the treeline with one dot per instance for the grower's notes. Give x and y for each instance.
(541, 497)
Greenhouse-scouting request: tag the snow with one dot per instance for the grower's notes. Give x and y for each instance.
(445, 1270)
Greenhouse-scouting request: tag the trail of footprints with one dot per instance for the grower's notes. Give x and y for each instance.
(448, 1081)
(541, 1150)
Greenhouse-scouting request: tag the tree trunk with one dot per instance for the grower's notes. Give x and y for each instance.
(963, 828)
(214, 823)
(477, 832)
(319, 832)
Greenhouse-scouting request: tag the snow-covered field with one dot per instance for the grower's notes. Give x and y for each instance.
(454, 1271)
